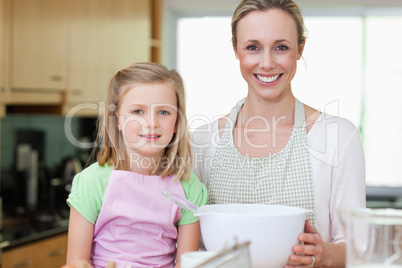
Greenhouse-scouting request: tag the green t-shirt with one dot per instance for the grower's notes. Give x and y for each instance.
(89, 189)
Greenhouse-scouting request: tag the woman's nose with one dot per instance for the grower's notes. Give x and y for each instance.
(267, 60)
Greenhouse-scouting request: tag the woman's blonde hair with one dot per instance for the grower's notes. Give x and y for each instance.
(177, 157)
(289, 6)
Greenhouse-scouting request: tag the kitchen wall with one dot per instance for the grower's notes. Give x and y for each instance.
(56, 144)
(58, 153)
(227, 4)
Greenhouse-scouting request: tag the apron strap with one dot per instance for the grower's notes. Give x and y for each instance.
(231, 121)
(299, 114)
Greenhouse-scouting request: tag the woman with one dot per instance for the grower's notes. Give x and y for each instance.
(271, 148)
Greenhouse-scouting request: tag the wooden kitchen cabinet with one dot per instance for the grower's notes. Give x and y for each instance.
(50, 252)
(38, 45)
(63, 52)
(105, 36)
(4, 22)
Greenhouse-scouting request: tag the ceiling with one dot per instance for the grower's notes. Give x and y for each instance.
(231, 4)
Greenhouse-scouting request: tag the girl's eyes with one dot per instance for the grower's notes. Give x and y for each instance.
(138, 112)
(164, 112)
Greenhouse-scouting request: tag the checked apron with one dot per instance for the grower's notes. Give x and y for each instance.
(283, 178)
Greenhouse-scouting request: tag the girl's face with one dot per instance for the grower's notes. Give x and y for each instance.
(267, 50)
(147, 118)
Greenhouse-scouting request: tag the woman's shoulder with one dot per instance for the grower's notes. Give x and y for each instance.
(320, 121)
(203, 134)
(327, 122)
(331, 131)
(207, 127)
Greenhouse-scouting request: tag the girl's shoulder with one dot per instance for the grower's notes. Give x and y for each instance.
(96, 172)
(194, 189)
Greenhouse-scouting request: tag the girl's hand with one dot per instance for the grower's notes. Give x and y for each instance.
(312, 250)
(85, 264)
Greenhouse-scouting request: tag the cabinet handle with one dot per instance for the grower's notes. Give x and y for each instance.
(76, 92)
(55, 253)
(56, 78)
(23, 264)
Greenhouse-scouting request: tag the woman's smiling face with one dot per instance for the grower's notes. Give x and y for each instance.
(268, 51)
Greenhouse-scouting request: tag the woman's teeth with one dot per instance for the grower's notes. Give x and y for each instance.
(267, 79)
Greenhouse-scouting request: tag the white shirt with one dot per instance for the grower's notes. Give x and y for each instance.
(337, 161)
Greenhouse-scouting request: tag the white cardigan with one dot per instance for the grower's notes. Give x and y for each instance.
(337, 161)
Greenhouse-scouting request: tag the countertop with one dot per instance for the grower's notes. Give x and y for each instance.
(20, 231)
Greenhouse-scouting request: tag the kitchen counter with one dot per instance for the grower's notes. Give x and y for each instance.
(19, 232)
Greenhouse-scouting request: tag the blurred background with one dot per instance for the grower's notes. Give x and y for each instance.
(57, 57)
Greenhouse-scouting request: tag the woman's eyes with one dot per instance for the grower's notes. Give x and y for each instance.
(255, 48)
(252, 48)
(282, 47)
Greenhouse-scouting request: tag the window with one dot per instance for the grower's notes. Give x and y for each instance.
(350, 67)
(209, 68)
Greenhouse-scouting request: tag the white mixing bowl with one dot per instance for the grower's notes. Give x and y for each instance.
(271, 229)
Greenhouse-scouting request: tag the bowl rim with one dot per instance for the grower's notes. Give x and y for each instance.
(295, 210)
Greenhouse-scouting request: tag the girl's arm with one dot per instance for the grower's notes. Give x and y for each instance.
(80, 234)
(188, 239)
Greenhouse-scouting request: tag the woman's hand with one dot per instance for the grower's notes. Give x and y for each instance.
(317, 253)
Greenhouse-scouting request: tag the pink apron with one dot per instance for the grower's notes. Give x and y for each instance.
(137, 225)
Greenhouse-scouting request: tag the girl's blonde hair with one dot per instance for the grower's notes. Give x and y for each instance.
(177, 158)
(289, 6)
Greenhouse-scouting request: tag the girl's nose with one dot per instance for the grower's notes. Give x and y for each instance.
(152, 121)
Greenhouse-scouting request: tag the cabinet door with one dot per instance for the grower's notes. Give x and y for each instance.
(51, 252)
(4, 27)
(38, 44)
(20, 257)
(106, 36)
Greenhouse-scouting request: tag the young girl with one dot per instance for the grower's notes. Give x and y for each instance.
(118, 212)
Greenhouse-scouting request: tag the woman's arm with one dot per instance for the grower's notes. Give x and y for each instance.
(188, 239)
(80, 235)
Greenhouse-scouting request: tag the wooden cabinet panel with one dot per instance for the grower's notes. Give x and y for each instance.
(106, 36)
(4, 45)
(50, 252)
(38, 44)
(64, 52)
(19, 257)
